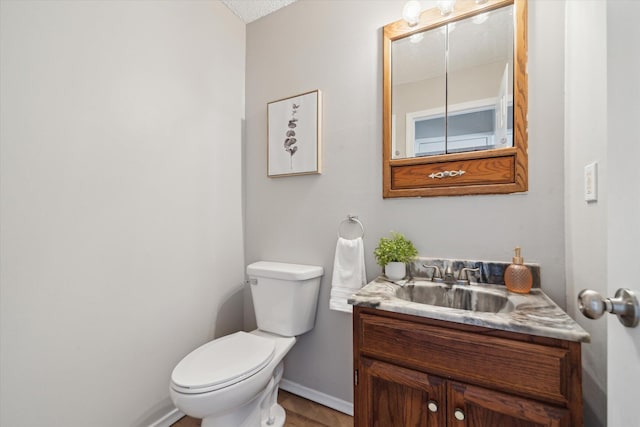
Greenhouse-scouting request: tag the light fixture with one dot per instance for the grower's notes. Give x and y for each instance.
(481, 1)
(446, 6)
(411, 12)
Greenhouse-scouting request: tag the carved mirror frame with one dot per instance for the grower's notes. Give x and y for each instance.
(494, 171)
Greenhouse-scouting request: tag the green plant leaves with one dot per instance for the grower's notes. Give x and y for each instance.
(394, 249)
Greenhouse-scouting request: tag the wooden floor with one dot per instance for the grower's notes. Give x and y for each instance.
(300, 413)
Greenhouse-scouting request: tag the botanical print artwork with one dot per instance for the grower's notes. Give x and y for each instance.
(293, 135)
(289, 143)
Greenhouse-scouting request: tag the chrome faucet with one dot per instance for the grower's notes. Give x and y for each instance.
(437, 274)
(464, 274)
(448, 277)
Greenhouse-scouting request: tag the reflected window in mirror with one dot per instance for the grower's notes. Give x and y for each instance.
(480, 82)
(455, 89)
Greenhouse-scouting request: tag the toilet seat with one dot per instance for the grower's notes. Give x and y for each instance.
(222, 362)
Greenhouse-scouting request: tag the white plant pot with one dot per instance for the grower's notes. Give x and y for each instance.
(395, 270)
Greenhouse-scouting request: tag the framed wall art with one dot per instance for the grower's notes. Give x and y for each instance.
(293, 135)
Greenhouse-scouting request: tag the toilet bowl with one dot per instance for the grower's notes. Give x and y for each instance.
(233, 381)
(231, 394)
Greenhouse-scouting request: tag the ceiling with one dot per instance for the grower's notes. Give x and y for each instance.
(250, 10)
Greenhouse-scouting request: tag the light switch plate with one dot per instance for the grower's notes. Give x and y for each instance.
(591, 182)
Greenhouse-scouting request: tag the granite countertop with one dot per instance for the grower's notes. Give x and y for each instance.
(534, 313)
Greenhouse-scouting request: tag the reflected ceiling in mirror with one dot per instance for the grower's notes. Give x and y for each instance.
(455, 89)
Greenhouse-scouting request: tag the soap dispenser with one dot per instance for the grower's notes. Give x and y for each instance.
(517, 276)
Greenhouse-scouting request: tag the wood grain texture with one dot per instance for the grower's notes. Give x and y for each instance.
(400, 181)
(496, 170)
(187, 422)
(497, 378)
(521, 95)
(399, 396)
(300, 413)
(483, 407)
(529, 369)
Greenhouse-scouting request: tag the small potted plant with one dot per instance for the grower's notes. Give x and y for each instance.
(393, 254)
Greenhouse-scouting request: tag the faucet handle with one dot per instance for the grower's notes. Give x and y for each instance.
(436, 271)
(464, 273)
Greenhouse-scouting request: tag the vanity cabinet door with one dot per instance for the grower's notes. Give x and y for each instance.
(471, 406)
(414, 371)
(393, 396)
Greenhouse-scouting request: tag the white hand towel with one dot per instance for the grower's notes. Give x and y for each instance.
(348, 273)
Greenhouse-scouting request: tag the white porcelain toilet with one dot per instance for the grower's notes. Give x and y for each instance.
(233, 381)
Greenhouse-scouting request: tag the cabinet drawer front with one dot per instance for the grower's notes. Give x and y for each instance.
(528, 369)
(496, 170)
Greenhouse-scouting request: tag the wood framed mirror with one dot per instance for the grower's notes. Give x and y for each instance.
(455, 101)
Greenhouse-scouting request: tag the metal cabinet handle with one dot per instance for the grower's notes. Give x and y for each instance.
(433, 406)
(459, 414)
(447, 174)
(624, 305)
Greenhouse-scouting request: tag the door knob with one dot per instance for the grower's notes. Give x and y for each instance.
(433, 406)
(624, 305)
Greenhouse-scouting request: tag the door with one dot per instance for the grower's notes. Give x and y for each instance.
(471, 406)
(623, 210)
(394, 396)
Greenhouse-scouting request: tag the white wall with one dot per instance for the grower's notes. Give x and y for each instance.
(586, 142)
(337, 47)
(121, 203)
(479, 83)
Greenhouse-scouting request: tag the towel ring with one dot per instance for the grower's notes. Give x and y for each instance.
(349, 219)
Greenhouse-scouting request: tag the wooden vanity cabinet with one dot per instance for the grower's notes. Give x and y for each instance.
(415, 371)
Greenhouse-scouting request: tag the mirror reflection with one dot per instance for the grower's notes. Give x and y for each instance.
(452, 87)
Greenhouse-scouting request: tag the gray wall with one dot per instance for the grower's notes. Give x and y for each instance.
(121, 217)
(336, 47)
(586, 230)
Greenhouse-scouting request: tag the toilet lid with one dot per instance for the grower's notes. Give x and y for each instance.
(222, 362)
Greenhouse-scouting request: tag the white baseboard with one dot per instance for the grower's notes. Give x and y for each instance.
(168, 419)
(295, 388)
(317, 396)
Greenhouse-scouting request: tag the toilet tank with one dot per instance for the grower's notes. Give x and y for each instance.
(285, 296)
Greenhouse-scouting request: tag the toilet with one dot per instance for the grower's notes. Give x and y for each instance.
(233, 381)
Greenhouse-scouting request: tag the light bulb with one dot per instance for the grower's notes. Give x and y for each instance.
(446, 6)
(411, 12)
